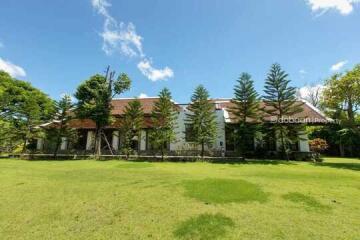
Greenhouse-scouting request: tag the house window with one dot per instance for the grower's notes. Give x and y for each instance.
(189, 133)
(295, 146)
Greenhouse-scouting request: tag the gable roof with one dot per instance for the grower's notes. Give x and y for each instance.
(119, 104)
(310, 114)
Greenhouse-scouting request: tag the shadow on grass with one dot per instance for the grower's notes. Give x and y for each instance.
(204, 227)
(348, 166)
(224, 191)
(310, 202)
(256, 162)
(135, 165)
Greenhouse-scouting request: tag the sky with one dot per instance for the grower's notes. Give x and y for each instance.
(57, 44)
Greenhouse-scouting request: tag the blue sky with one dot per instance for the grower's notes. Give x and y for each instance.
(177, 44)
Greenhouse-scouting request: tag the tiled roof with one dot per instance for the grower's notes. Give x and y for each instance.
(309, 114)
(118, 108)
(120, 104)
(89, 124)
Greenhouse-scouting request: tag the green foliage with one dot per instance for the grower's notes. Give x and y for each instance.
(342, 101)
(204, 227)
(280, 103)
(62, 118)
(122, 84)
(342, 92)
(94, 101)
(93, 97)
(246, 110)
(222, 191)
(202, 118)
(22, 109)
(164, 122)
(131, 125)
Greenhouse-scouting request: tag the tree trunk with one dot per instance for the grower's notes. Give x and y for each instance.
(342, 150)
(350, 112)
(162, 153)
(283, 145)
(202, 150)
(57, 145)
(58, 140)
(98, 143)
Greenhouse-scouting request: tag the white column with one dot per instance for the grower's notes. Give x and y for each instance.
(303, 142)
(39, 144)
(115, 140)
(64, 143)
(220, 135)
(143, 140)
(90, 140)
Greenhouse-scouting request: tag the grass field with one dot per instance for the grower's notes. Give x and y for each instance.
(125, 200)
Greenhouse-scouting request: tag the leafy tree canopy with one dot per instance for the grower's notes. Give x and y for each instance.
(23, 107)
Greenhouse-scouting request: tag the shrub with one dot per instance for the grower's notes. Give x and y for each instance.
(318, 146)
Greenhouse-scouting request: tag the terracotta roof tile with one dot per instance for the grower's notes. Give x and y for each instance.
(308, 115)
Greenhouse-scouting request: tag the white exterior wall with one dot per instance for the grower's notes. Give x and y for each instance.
(64, 143)
(181, 145)
(39, 144)
(115, 140)
(219, 144)
(143, 140)
(90, 140)
(303, 142)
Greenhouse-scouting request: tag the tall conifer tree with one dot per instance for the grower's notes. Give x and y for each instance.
(132, 123)
(164, 122)
(280, 103)
(63, 116)
(202, 118)
(246, 110)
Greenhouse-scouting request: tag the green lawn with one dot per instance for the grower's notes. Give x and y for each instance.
(124, 200)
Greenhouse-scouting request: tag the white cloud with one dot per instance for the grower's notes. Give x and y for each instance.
(311, 93)
(12, 69)
(345, 7)
(143, 95)
(116, 36)
(338, 66)
(146, 68)
(306, 91)
(123, 38)
(302, 72)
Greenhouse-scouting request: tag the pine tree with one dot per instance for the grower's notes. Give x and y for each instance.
(63, 116)
(164, 122)
(280, 103)
(202, 118)
(131, 125)
(246, 110)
